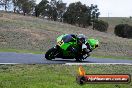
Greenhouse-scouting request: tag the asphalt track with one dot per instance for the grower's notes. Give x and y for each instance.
(18, 58)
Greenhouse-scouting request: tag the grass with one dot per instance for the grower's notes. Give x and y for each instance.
(113, 21)
(56, 76)
(21, 51)
(33, 34)
(117, 20)
(113, 57)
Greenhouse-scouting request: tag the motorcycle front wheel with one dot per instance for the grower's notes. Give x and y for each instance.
(50, 54)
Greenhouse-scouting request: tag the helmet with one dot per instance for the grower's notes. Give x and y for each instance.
(93, 43)
(81, 38)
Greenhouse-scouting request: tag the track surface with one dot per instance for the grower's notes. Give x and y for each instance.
(10, 58)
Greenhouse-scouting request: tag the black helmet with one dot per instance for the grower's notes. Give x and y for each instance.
(81, 38)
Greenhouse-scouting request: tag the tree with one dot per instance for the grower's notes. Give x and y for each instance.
(53, 10)
(100, 25)
(2, 3)
(15, 2)
(26, 6)
(80, 14)
(41, 8)
(94, 13)
(71, 16)
(123, 30)
(5, 4)
(84, 18)
(61, 7)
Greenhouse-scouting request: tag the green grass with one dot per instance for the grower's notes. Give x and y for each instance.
(20, 51)
(117, 20)
(113, 57)
(56, 76)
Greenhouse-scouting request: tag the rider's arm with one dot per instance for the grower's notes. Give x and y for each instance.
(87, 46)
(84, 46)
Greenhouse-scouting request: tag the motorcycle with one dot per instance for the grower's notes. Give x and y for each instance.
(60, 50)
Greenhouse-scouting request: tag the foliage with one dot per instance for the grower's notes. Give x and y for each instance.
(123, 30)
(100, 25)
(53, 9)
(76, 13)
(56, 9)
(5, 4)
(40, 9)
(24, 5)
(80, 14)
(61, 7)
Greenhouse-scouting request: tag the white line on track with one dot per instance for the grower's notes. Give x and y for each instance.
(98, 63)
(9, 63)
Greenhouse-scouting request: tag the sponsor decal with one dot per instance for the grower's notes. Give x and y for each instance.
(101, 78)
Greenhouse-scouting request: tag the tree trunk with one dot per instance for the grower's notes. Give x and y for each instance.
(5, 8)
(14, 9)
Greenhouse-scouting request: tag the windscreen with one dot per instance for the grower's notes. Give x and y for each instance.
(69, 38)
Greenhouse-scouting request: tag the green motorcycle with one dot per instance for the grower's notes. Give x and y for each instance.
(61, 49)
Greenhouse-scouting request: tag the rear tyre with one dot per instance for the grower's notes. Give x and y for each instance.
(79, 59)
(50, 54)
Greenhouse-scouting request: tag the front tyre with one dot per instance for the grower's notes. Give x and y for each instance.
(50, 54)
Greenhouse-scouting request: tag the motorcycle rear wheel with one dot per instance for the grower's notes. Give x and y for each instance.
(79, 59)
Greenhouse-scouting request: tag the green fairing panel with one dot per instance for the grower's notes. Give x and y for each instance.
(64, 44)
(92, 42)
(60, 37)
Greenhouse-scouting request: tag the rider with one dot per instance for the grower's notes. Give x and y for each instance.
(80, 39)
(83, 46)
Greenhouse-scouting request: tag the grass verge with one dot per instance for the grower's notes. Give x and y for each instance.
(113, 57)
(21, 51)
(56, 76)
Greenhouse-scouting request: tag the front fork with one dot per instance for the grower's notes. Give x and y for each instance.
(85, 53)
(85, 56)
(57, 50)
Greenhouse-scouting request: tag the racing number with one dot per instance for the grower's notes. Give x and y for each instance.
(60, 42)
